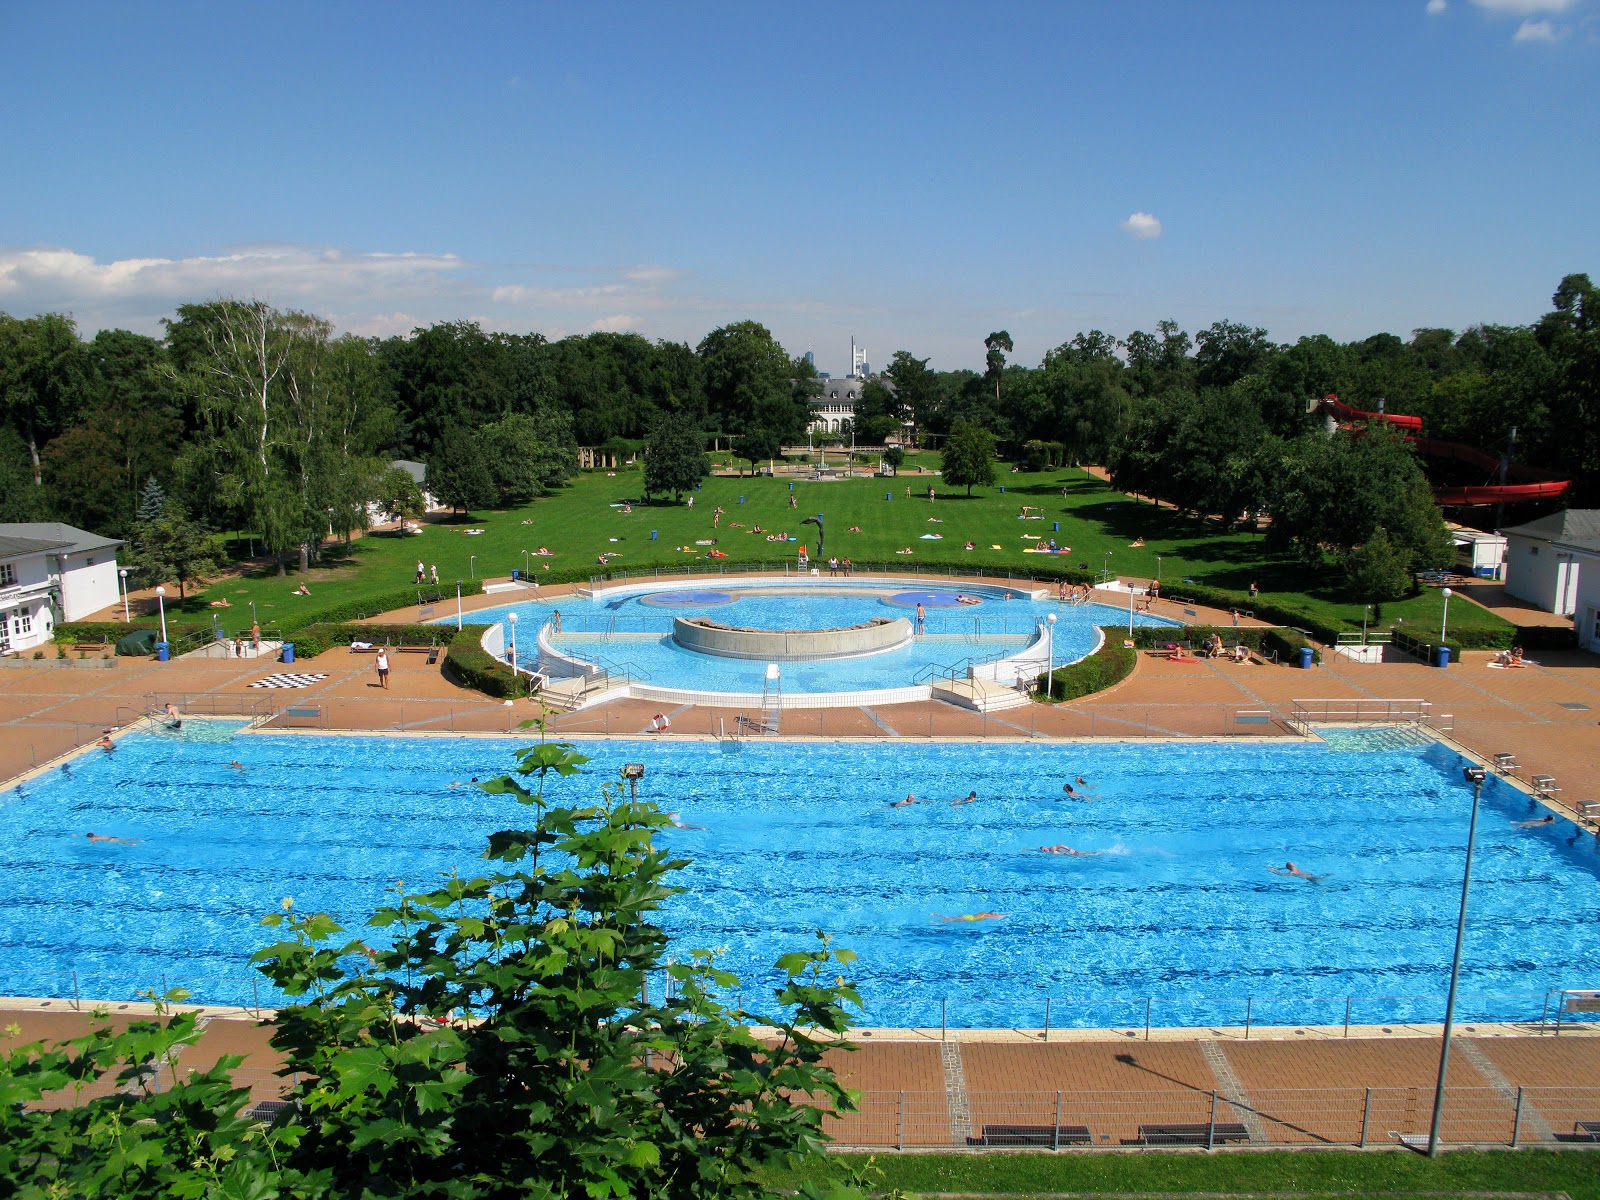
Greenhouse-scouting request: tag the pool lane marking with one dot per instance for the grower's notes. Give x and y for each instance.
(888, 729)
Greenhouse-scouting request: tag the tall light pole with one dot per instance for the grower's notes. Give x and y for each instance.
(1105, 567)
(1158, 572)
(1130, 610)
(123, 575)
(161, 603)
(1474, 776)
(458, 604)
(524, 564)
(1444, 621)
(253, 620)
(472, 565)
(1366, 611)
(1050, 652)
(512, 617)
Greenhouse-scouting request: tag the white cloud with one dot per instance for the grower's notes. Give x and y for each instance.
(1141, 225)
(1525, 8)
(648, 274)
(1435, 7)
(1535, 31)
(620, 323)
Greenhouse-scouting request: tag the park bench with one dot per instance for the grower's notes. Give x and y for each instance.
(1033, 1135)
(1197, 1134)
(1586, 1131)
(100, 647)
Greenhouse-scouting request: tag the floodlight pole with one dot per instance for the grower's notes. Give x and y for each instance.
(458, 604)
(1366, 611)
(123, 576)
(1050, 652)
(1475, 775)
(161, 603)
(1444, 621)
(512, 617)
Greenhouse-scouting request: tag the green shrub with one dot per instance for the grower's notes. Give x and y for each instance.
(1287, 643)
(370, 606)
(1110, 664)
(473, 667)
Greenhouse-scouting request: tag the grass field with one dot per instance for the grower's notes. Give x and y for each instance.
(580, 522)
(1301, 1173)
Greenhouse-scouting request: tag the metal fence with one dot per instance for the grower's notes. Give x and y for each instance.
(1192, 1117)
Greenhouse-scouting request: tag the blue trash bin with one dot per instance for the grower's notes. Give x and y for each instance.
(1002, 489)
(516, 574)
(1441, 656)
(653, 533)
(888, 495)
(1055, 526)
(288, 652)
(1305, 658)
(163, 652)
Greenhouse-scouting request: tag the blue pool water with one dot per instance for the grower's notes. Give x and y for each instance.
(630, 634)
(1178, 905)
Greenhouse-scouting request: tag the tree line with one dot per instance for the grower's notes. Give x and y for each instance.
(257, 419)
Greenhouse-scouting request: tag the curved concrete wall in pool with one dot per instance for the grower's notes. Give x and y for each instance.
(709, 637)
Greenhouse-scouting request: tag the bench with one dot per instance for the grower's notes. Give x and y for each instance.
(433, 655)
(1197, 1134)
(265, 1110)
(1586, 1131)
(90, 647)
(1033, 1135)
(428, 649)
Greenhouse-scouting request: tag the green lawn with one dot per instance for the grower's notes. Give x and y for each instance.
(579, 522)
(1301, 1173)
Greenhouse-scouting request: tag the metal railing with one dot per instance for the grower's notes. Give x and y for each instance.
(1184, 1116)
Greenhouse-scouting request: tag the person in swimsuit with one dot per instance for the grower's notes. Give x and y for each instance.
(115, 841)
(910, 799)
(1289, 869)
(1063, 849)
(979, 916)
(1548, 819)
(972, 798)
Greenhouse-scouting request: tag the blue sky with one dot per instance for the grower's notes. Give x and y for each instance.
(916, 174)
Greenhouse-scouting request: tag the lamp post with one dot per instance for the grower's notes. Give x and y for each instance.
(512, 617)
(524, 564)
(1474, 776)
(253, 620)
(1366, 611)
(1130, 610)
(123, 575)
(1050, 652)
(1444, 621)
(1158, 572)
(472, 565)
(458, 604)
(1105, 567)
(161, 603)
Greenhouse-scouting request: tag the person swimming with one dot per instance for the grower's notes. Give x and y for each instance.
(1060, 848)
(910, 799)
(1289, 869)
(1547, 819)
(678, 823)
(972, 798)
(978, 916)
(115, 841)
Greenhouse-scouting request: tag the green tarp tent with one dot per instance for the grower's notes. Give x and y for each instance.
(140, 641)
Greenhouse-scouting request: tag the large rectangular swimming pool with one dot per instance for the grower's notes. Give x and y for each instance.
(1176, 904)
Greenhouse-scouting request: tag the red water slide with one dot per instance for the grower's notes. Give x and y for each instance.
(1531, 483)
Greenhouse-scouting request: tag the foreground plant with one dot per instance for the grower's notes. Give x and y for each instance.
(506, 1044)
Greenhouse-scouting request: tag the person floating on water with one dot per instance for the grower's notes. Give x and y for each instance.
(1064, 849)
(1289, 869)
(978, 916)
(115, 841)
(910, 799)
(972, 798)
(1547, 819)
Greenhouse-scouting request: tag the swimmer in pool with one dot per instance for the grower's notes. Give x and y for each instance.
(979, 916)
(677, 822)
(1289, 869)
(115, 841)
(106, 744)
(1061, 849)
(910, 799)
(236, 765)
(1548, 819)
(972, 798)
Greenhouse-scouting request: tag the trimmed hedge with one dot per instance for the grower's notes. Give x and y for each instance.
(1288, 643)
(1110, 664)
(473, 667)
(464, 657)
(368, 606)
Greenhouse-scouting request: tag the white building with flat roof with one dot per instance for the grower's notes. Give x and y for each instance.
(1540, 565)
(49, 573)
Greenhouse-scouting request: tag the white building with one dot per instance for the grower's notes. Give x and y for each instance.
(51, 572)
(1540, 566)
(1586, 610)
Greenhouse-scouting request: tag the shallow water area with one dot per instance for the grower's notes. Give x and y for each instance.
(1173, 900)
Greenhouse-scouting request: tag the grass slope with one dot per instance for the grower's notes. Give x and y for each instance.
(579, 522)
